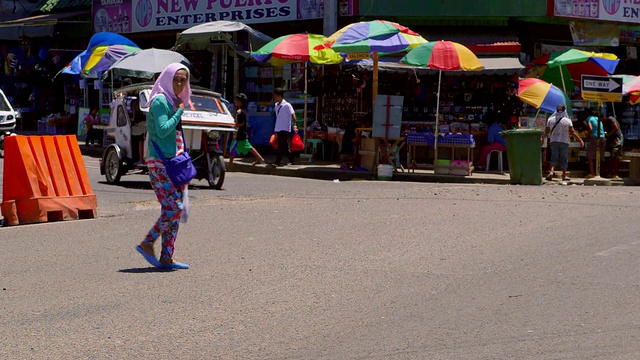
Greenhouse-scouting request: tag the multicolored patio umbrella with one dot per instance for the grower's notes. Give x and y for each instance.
(297, 48)
(365, 30)
(631, 87)
(74, 67)
(442, 55)
(103, 56)
(78, 65)
(541, 95)
(377, 36)
(560, 67)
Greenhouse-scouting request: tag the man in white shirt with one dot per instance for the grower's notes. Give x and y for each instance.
(559, 126)
(285, 120)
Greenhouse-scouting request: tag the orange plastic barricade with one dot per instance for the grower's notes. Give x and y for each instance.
(45, 180)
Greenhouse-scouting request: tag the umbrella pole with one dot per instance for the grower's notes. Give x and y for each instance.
(598, 155)
(385, 151)
(436, 132)
(613, 109)
(562, 77)
(111, 85)
(375, 80)
(304, 116)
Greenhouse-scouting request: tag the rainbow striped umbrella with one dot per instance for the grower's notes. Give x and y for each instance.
(541, 95)
(442, 55)
(377, 36)
(374, 36)
(297, 48)
(565, 68)
(96, 51)
(103, 56)
(631, 87)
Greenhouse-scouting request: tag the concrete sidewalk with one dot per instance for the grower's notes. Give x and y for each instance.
(324, 170)
(332, 171)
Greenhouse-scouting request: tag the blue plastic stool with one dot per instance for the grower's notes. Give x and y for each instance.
(315, 143)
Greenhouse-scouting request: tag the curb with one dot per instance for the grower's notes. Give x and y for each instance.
(448, 179)
(337, 174)
(306, 173)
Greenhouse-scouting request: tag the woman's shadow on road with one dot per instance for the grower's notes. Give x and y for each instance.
(131, 184)
(145, 270)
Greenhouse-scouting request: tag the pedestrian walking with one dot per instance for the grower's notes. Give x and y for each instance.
(614, 143)
(166, 104)
(241, 145)
(596, 143)
(558, 129)
(285, 120)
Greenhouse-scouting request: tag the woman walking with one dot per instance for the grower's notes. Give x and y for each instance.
(169, 94)
(241, 145)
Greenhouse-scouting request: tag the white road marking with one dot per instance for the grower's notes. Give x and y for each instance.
(622, 248)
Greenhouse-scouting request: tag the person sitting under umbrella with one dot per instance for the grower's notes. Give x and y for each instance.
(495, 142)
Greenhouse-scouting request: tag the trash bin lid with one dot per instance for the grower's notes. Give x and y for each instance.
(521, 132)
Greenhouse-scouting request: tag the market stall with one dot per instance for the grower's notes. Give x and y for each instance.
(469, 103)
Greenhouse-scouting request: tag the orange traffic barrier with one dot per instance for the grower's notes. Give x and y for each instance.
(44, 179)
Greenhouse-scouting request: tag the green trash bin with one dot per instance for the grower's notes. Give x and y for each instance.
(525, 157)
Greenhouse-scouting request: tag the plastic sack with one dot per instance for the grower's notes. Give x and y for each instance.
(274, 141)
(296, 143)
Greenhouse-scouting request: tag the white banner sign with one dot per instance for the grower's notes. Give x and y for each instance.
(125, 16)
(610, 10)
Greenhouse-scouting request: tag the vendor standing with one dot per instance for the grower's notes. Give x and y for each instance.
(614, 143)
(93, 134)
(495, 142)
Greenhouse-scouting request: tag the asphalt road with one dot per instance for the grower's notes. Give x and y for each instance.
(286, 268)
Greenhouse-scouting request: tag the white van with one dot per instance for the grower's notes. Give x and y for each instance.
(7, 120)
(7, 115)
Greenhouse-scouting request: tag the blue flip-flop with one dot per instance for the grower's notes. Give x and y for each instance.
(174, 266)
(150, 259)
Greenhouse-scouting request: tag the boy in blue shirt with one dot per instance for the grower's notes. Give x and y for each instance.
(596, 143)
(494, 142)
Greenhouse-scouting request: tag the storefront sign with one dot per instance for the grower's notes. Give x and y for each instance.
(594, 33)
(358, 56)
(609, 10)
(124, 16)
(601, 88)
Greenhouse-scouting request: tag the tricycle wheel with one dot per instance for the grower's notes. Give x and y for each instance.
(112, 166)
(216, 171)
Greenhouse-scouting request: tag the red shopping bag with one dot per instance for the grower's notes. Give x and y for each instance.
(274, 141)
(296, 143)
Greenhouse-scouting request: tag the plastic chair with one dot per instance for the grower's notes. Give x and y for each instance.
(315, 143)
(500, 162)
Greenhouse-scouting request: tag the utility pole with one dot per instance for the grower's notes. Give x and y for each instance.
(330, 17)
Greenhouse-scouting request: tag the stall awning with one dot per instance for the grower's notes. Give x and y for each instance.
(492, 66)
(34, 26)
(480, 40)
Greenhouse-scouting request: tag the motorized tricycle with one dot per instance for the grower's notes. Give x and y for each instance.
(206, 126)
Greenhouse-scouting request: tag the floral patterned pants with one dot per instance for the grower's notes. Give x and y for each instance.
(170, 198)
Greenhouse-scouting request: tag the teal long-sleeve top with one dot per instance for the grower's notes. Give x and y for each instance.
(161, 127)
